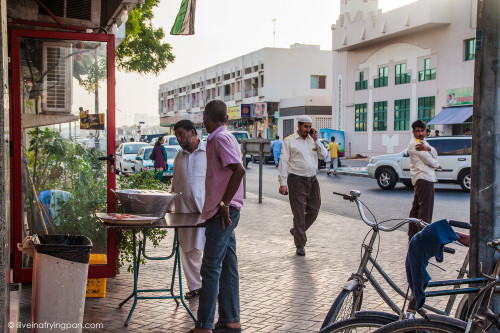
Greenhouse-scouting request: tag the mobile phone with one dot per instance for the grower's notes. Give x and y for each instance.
(311, 131)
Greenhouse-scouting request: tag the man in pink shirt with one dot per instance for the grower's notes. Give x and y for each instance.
(223, 201)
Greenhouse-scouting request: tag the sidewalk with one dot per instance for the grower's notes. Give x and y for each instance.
(279, 291)
(351, 167)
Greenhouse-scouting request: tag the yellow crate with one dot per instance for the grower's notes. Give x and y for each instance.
(97, 287)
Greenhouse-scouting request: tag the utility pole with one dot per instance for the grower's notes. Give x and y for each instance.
(485, 172)
(274, 31)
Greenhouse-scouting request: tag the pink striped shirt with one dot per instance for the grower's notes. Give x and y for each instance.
(222, 150)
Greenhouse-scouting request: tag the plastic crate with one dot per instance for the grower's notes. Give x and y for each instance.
(97, 287)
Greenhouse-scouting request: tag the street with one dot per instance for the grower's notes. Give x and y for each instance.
(450, 201)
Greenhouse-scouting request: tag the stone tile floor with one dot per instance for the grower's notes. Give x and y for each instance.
(279, 291)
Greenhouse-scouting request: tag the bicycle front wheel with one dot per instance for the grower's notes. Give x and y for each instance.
(435, 323)
(345, 305)
(364, 321)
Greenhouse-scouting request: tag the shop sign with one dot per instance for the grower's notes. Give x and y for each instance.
(245, 110)
(91, 121)
(184, 116)
(260, 110)
(460, 96)
(233, 112)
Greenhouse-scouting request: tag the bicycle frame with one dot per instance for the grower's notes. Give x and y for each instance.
(364, 272)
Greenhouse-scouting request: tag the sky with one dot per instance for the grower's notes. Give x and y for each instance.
(227, 29)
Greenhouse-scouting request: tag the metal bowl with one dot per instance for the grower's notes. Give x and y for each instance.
(146, 202)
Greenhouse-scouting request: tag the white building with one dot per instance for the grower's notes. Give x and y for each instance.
(257, 82)
(392, 68)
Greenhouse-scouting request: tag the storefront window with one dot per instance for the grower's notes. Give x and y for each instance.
(63, 135)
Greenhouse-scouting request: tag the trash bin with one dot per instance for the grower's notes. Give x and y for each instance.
(60, 270)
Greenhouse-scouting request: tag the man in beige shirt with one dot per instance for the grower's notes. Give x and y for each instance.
(423, 165)
(297, 175)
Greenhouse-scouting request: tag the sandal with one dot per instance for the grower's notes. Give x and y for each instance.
(192, 294)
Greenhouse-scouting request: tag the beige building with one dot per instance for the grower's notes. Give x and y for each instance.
(389, 69)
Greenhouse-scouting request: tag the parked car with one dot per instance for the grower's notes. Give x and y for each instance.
(239, 135)
(171, 140)
(149, 137)
(143, 160)
(454, 155)
(125, 156)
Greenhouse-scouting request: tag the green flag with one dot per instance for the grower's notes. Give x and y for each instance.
(184, 22)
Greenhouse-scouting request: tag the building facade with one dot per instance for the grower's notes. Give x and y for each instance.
(392, 68)
(251, 85)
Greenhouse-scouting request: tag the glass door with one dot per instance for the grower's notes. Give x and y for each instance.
(63, 139)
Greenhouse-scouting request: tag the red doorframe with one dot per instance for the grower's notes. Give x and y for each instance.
(95, 271)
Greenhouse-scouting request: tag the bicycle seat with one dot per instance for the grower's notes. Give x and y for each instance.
(464, 238)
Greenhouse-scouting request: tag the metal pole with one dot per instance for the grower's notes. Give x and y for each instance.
(261, 157)
(244, 159)
(485, 172)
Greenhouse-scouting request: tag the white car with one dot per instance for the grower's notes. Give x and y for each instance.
(169, 140)
(143, 160)
(454, 155)
(239, 135)
(125, 156)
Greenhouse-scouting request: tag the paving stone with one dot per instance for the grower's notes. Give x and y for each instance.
(279, 291)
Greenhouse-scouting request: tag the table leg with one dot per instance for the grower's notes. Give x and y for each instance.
(178, 259)
(136, 277)
(136, 266)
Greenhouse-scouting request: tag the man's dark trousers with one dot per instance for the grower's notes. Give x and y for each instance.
(305, 201)
(423, 205)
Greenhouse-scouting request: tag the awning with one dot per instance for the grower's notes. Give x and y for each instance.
(454, 115)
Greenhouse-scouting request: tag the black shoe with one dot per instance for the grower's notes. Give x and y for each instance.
(301, 251)
(328, 173)
(292, 232)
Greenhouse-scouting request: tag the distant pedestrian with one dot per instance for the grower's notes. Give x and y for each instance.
(436, 133)
(276, 150)
(423, 165)
(159, 155)
(467, 131)
(132, 139)
(297, 175)
(333, 147)
(223, 201)
(190, 168)
(259, 136)
(427, 132)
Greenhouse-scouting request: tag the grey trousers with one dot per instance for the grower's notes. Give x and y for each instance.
(305, 201)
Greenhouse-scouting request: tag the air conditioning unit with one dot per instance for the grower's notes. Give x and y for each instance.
(57, 77)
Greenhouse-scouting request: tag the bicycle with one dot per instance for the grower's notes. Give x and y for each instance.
(480, 318)
(348, 302)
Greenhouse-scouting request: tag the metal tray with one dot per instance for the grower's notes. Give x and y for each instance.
(114, 218)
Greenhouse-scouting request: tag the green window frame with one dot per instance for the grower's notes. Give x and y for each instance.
(428, 73)
(360, 117)
(383, 78)
(426, 108)
(362, 84)
(380, 116)
(402, 114)
(470, 49)
(401, 77)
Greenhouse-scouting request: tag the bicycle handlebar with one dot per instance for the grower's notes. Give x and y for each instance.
(354, 195)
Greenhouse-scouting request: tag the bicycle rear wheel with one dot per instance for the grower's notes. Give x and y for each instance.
(363, 321)
(344, 306)
(435, 323)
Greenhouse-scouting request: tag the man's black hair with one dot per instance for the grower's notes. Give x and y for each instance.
(216, 110)
(277, 137)
(332, 138)
(418, 123)
(186, 124)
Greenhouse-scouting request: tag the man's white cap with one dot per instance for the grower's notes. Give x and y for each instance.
(305, 119)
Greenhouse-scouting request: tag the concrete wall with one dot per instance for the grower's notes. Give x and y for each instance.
(4, 175)
(434, 38)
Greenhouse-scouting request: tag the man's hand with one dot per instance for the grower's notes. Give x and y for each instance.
(421, 146)
(314, 136)
(284, 190)
(224, 215)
